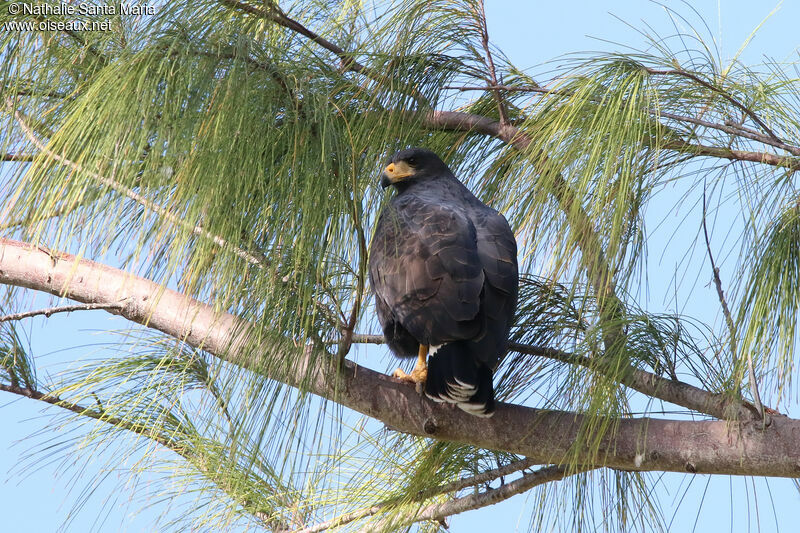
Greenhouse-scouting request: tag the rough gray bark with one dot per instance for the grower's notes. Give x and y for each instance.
(715, 447)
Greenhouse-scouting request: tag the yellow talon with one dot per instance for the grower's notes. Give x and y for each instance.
(420, 372)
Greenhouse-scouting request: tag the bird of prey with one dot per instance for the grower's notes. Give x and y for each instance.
(443, 267)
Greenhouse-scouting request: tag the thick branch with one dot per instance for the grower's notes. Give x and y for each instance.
(717, 405)
(544, 436)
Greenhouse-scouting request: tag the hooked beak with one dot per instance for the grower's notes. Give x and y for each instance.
(396, 172)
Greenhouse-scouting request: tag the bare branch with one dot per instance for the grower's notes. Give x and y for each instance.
(273, 13)
(729, 319)
(501, 110)
(791, 163)
(732, 129)
(62, 309)
(729, 127)
(460, 121)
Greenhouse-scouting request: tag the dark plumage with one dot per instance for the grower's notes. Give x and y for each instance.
(443, 267)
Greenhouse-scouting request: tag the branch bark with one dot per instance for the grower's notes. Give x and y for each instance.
(719, 406)
(547, 437)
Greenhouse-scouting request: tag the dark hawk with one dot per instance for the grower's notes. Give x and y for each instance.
(443, 266)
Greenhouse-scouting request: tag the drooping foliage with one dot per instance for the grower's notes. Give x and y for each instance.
(231, 150)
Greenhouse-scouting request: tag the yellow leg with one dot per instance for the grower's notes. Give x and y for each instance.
(420, 372)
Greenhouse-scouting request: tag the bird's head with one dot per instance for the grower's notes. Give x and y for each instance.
(412, 165)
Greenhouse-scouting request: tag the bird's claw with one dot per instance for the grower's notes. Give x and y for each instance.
(417, 377)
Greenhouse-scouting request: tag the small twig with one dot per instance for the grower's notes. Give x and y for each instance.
(347, 339)
(61, 309)
(273, 13)
(30, 92)
(508, 88)
(766, 158)
(17, 157)
(733, 129)
(490, 62)
(729, 319)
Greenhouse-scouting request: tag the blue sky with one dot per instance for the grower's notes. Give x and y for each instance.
(530, 34)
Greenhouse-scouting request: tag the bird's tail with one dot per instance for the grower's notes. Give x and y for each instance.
(454, 376)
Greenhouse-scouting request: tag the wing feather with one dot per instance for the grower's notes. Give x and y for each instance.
(426, 268)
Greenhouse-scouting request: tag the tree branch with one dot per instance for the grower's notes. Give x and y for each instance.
(273, 12)
(459, 484)
(62, 309)
(729, 128)
(729, 319)
(440, 511)
(724, 94)
(95, 414)
(791, 163)
(139, 429)
(732, 129)
(720, 406)
(501, 110)
(544, 436)
(20, 158)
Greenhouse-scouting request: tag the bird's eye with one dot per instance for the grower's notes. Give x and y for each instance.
(412, 161)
